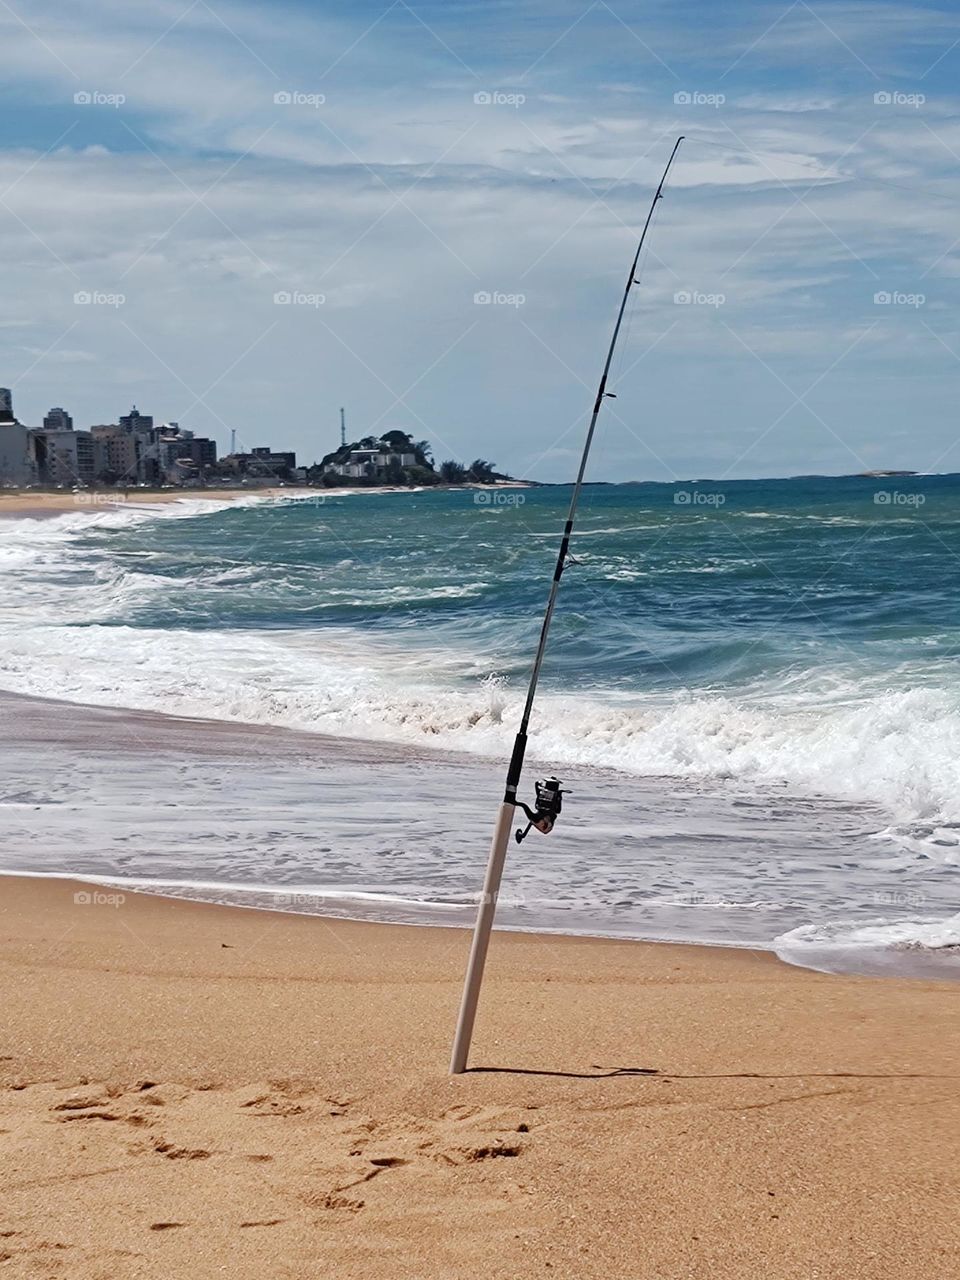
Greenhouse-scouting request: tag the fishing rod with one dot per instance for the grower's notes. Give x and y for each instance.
(549, 793)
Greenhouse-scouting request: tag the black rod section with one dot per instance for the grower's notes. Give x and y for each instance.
(520, 744)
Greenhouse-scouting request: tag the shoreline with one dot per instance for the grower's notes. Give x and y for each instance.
(41, 504)
(27, 504)
(202, 1084)
(193, 891)
(304, 779)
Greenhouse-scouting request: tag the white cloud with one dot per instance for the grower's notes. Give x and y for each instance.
(401, 197)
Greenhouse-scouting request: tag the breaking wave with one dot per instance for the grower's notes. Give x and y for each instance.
(923, 947)
(78, 598)
(781, 688)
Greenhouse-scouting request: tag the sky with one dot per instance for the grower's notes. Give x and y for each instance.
(243, 216)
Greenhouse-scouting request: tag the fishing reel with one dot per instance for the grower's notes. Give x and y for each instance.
(549, 802)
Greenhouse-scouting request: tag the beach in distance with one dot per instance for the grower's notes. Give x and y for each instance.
(39, 503)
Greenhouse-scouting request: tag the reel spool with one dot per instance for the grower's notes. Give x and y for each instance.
(549, 802)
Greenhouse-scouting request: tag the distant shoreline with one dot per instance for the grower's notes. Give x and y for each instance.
(40, 504)
(37, 504)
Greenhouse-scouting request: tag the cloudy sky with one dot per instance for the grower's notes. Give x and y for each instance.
(378, 166)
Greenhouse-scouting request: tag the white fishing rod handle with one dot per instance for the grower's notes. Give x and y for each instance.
(481, 938)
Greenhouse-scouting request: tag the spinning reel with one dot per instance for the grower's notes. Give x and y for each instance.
(548, 805)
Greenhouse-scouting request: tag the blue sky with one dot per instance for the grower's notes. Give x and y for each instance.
(383, 164)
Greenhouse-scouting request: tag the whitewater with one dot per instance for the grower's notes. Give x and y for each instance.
(781, 661)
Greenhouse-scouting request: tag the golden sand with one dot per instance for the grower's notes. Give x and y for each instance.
(33, 503)
(198, 1091)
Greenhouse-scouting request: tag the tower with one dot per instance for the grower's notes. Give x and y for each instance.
(343, 429)
(58, 420)
(136, 421)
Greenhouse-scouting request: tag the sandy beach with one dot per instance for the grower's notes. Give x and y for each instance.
(190, 1090)
(36, 504)
(193, 1090)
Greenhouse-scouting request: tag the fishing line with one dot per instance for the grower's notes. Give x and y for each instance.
(633, 305)
(633, 308)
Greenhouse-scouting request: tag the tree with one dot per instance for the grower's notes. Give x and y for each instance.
(424, 451)
(398, 440)
(452, 472)
(422, 475)
(482, 471)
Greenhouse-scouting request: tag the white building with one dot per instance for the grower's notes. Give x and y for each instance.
(17, 462)
(370, 462)
(64, 458)
(116, 453)
(17, 458)
(139, 427)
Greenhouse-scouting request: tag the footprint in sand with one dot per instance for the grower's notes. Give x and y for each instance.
(317, 1200)
(82, 1102)
(491, 1151)
(267, 1105)
(180, 1153)
(90, 1115)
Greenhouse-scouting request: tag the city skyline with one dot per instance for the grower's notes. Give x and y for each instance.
(135, 450)
(37, 419)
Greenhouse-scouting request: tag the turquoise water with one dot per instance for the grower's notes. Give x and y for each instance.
(727, 638)
(784, 579)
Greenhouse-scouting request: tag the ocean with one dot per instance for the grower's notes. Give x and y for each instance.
(752, 690)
